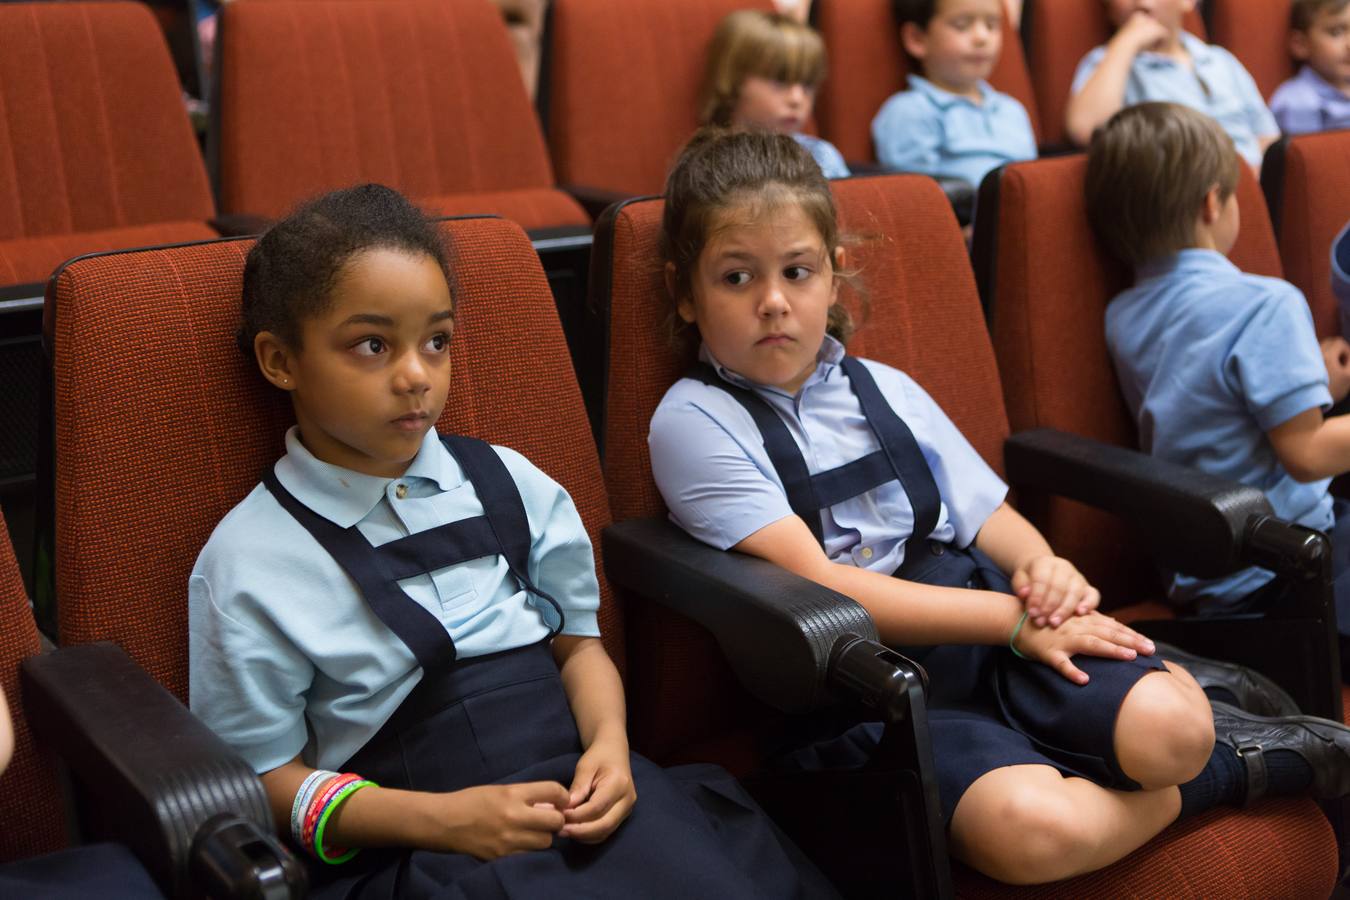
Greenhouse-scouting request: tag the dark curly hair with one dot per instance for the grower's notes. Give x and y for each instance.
(291, 271)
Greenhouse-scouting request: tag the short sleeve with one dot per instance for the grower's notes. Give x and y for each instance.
(907, 133)
(712, 487)
(562, 560)
(1262, 122)
(1292, 112)
(1276, 361)
(246, 680)
(830, 160)
(1086, 66)
(969, 488)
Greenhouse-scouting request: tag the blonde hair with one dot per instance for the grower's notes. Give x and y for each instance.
(721, 170)
(752, 42)
(1149, 169)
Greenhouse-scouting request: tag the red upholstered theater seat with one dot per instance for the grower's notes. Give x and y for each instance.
(96, 152)
(868, 65)
(424, 96)
(162, 426)
(1057, 34)
(1257, 33)
(925, 318)
(1307, 183)
(623, 82)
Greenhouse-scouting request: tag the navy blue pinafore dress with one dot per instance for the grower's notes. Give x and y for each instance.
(504, 718)
(987, 708)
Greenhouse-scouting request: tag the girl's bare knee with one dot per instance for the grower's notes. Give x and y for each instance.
(1165, 732)
(1038, 838)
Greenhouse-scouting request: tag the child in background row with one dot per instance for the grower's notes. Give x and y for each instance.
(1222, 370)
(1151, 57)
(1318, 97)
(419, 613)
(950, 122)
(763, 72)
(1060, 742)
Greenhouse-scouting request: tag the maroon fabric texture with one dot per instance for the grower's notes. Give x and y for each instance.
(94, 142)
(868, 64)
(1049, 304)
(1061, 34)
(33, 259)
(162, 425)
(424, 96)
(1316, 206)
(32, 817)
(623, 86)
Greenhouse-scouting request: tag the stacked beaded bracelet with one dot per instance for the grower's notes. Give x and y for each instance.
(318, 798)
(1012, 638)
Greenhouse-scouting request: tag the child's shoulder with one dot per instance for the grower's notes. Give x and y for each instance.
(914, 101)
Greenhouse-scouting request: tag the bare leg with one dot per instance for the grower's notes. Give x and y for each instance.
(1165, 729)
(1029, 824)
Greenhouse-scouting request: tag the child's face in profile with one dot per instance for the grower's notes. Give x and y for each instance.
(961, 44)
(773, 105)
(1169, 13)
(762, 292)
(373, 370)
(1325, 46)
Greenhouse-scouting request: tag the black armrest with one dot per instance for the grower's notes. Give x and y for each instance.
(1196, 523)
(794, 644)
(157, 779)
(594, 200)
(239, 224)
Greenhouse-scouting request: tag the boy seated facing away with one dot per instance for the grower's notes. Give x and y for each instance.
(1318, 97)
(1152, 58)
(950, 122)
(1221, 370)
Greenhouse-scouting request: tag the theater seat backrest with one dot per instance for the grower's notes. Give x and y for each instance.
(624, 77)
(1057, 35)
(161, 425)
(1308, 186)
(868, 65)
(1257, 33)
(1047, 287)
(422, 95)
(910, 257)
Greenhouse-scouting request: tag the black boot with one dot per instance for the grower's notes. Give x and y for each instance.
(1286, 755)
(1246, 688)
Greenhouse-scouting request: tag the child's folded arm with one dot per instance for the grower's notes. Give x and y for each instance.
(1312, 448)
(1051, 587)
(1098, 91)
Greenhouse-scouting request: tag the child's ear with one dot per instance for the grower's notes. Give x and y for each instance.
(275, 359)
(683, 305)
(914, 39)
(1213, 205)
(1298, 45)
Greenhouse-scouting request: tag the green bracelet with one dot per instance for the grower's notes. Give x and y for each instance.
(1013, 637)
(333, 804)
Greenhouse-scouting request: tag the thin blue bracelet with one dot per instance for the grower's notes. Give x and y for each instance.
(1012, 638)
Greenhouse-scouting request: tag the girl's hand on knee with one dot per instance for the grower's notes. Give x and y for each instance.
(602, 793)
(1093, 634)
(495, 820)
(1053, 590)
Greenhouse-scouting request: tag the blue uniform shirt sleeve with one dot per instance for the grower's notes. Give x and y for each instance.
(1295, 108)
(1086, 66)
(711, 484)
(562, 562)
(1262, 123)
(1276, 362)
(907, 133)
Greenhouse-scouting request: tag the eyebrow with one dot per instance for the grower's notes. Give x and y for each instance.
(387, 322)
(747, 255)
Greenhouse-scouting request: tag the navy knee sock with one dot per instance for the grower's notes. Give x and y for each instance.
(1224, 779)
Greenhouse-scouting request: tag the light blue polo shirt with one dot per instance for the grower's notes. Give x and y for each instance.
(710, 464)
(1209, 360)
(285, 655)
(1308, 102)
(1219, 87)
(826, 155)
(926, 129)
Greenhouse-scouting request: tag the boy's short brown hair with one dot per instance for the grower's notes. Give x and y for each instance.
(1303, 12)
(1149, 168)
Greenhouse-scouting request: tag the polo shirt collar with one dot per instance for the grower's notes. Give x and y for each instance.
(831, 353)
(1192, 260)
(944, 98)
(1199, 51)
(345, 497)
(1324, 88)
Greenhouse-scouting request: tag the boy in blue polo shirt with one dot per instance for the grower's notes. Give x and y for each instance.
(1221, 370)
(1318, 97)
(1151, 57)
(950, 122)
